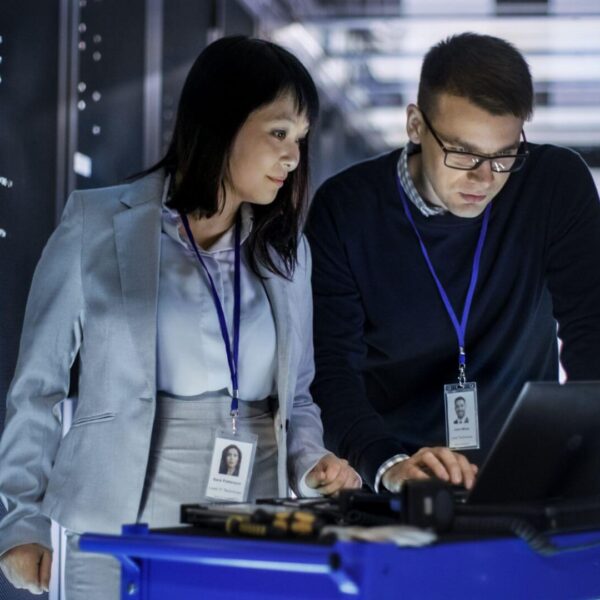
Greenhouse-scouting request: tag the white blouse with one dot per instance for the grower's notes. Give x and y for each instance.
(191, 352)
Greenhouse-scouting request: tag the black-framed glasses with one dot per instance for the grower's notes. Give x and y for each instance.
(468, 161)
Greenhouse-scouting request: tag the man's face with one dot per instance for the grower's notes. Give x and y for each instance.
(459, 406)
(461, 125)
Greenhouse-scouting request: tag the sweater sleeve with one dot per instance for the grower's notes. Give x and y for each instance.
(353, 428)
(573, 267)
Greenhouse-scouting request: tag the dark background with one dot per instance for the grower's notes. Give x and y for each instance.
(100, 79)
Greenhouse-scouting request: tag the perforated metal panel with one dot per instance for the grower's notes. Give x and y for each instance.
(110, 91)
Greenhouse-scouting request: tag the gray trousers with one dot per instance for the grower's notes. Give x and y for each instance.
(177, 473)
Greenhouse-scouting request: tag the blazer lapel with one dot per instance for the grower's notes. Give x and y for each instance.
(137, 239)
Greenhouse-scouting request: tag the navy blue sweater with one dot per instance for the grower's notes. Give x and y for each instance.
(384, 343)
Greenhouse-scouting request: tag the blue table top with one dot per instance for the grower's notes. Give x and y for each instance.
(156, 563)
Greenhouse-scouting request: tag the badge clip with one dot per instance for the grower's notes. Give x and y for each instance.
(234, 411)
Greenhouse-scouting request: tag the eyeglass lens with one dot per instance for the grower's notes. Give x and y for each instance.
(501, 164)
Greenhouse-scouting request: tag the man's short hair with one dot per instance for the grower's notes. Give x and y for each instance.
(488, 71)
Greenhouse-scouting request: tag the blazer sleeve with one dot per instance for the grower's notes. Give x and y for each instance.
(50, 340)
(353, 428)
(305, 435)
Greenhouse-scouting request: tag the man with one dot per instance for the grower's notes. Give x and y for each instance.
(445, 267)
(460, 408)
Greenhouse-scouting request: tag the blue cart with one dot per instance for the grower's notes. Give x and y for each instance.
(177, 565)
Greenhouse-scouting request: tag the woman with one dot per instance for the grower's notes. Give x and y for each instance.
(186, 296)
(231, 459)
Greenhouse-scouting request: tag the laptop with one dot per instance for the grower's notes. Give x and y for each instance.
(548, 448)
(543, 467)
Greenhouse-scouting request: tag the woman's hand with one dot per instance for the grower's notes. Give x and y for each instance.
(332, 474)
(27, 567)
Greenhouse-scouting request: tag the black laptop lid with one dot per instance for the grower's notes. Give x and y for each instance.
(548, 448)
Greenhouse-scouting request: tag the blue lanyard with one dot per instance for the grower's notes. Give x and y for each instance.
(232, 354)
(460, 328)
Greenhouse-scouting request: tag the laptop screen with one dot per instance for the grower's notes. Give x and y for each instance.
(548, 448)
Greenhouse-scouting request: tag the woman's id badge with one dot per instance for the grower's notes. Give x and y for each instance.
(231, 466)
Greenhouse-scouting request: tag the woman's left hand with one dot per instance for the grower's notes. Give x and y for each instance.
(332, 474)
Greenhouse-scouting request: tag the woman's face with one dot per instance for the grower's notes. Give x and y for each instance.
(232, 458)
(265, 150)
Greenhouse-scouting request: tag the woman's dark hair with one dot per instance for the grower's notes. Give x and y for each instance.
(488, 71)
(231, 78)
(223, 465)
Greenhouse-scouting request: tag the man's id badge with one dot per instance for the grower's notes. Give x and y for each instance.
(231, 466)
(462, 421)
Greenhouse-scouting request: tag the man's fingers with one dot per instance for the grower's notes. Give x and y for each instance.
(438, 468)
(440, 462)
(395, 476)
(456, 470)
(447, 465)
(458, 467)
(414, 471)
(407, 470)
(468, 471)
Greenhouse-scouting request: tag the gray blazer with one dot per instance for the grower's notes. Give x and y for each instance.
(94, 292)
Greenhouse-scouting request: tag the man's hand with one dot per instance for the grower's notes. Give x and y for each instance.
(437, 462)
(331, 474)
(27, 567)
